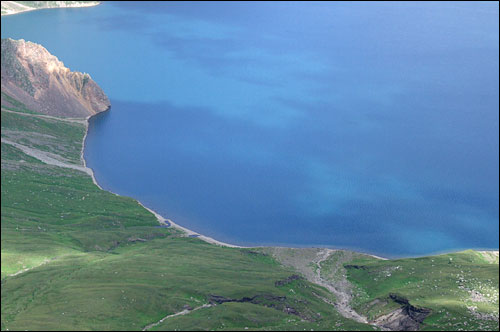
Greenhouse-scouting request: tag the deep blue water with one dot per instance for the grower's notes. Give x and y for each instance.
(371, 126)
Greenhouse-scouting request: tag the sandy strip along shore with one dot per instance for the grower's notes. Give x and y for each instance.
(163, 221)
(18, 8)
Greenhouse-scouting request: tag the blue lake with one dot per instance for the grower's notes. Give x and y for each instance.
(367, 126)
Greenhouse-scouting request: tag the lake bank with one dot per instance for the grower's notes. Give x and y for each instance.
(14, 7)
(160, 218)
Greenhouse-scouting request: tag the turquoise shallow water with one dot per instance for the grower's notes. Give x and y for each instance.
(373, 126)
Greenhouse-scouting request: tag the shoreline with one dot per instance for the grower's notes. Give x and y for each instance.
(161, 220)
(190, 233)
(30, 9)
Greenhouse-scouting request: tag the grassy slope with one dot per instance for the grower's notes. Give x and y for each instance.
(76, 257)
(446, 284)
(60, 138)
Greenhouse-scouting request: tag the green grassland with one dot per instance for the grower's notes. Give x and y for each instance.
(450, 285)
(64, 139)
(75, 257)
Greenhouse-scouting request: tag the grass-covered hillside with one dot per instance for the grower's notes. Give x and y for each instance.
(458, 291)
(75, 257)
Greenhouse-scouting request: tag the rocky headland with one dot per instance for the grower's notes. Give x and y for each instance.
(33, 76)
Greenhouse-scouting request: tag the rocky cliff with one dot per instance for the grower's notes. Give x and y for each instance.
(33, 76)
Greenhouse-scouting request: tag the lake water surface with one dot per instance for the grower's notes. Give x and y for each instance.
(368, 126)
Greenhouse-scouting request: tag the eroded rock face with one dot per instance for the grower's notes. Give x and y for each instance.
(267, 300)
(406, 318)
(38, 79)
(288, 280)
